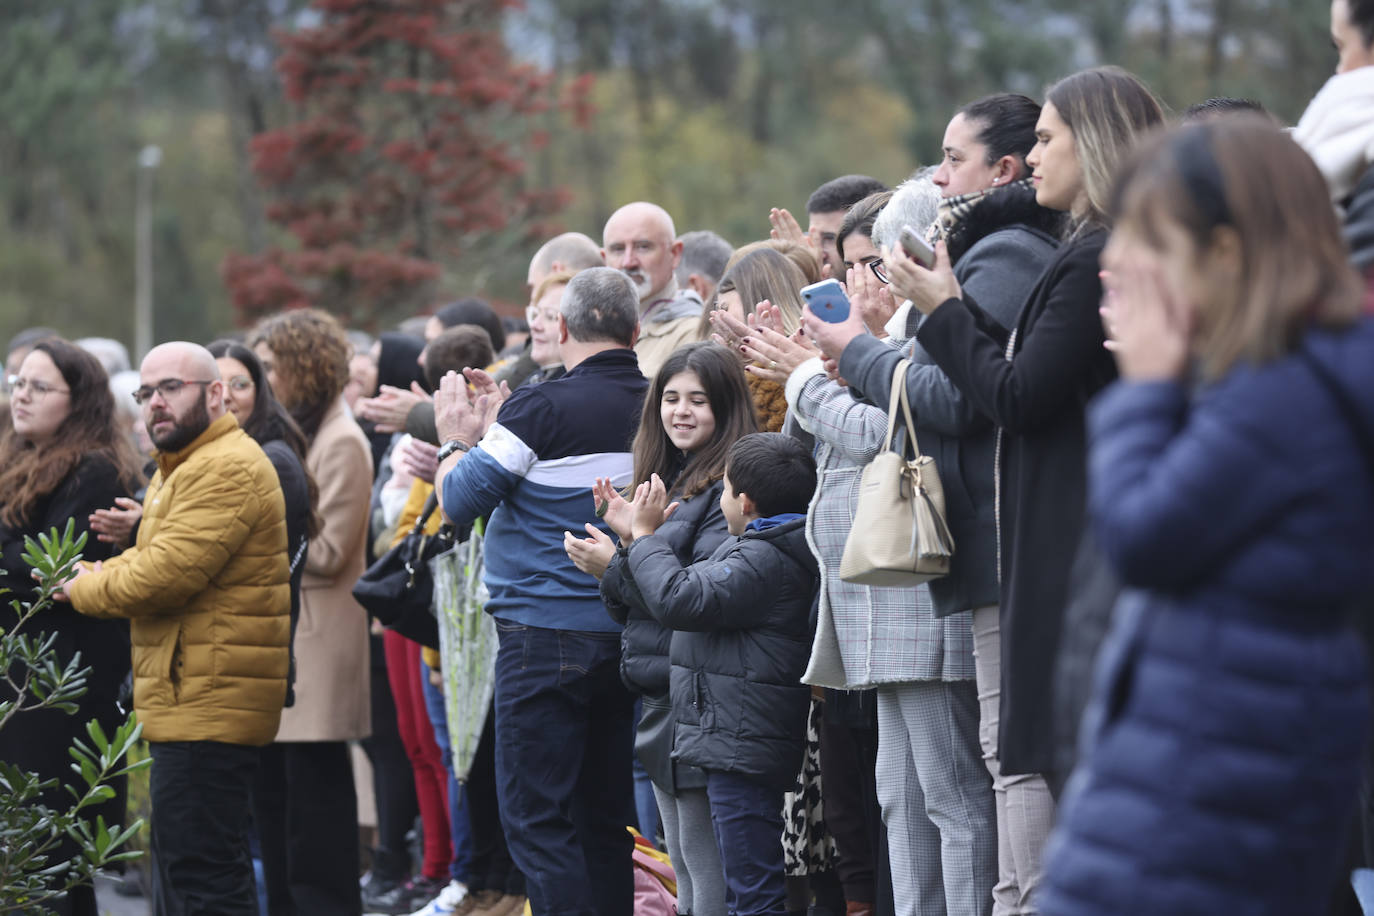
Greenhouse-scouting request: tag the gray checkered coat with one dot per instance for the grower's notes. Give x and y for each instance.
(865, 636)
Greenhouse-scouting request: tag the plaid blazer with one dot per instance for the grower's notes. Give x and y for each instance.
(865, 635)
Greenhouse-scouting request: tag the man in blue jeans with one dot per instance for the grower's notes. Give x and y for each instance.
(564, 721)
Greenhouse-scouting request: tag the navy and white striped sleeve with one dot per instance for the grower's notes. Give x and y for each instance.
(487, 474)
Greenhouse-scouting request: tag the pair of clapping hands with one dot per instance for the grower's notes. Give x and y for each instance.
(639, 517)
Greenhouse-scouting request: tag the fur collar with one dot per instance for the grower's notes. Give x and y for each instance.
(1009, 206)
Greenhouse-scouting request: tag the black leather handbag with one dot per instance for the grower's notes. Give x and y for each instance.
(398, 589)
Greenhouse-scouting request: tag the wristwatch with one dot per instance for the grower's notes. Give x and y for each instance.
(451, 446)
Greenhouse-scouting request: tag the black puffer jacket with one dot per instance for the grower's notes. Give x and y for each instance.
(693, 531)
(742, 636)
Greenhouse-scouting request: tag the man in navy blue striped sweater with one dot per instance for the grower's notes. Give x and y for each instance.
(564, 721)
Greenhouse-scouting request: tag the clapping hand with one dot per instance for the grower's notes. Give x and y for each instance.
(116, 524)
(871, 297)
(612, 508)
(774, 355)
(389, 409)
(591, 554)
(651, 507)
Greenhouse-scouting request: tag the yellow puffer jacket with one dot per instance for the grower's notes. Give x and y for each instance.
(206, 590)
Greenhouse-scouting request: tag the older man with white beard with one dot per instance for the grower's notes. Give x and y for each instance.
(639, 240)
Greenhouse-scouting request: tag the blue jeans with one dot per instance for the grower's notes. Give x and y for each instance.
(746, 815)
(564, 738)
(461, 866)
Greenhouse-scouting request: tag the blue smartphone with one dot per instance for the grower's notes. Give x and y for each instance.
(827, 301)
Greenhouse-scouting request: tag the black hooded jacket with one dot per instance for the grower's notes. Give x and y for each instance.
(742, 633)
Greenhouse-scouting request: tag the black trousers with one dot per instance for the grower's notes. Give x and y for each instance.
(307, 816)
(393, 780)
(200, 792)
(492, 868)
(849, 758)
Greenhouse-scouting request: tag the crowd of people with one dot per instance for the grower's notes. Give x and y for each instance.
(1142, 362)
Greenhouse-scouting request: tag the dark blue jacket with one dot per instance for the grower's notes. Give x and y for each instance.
(694, 531)
(742, 623)
(530, 475)
(1223, 742)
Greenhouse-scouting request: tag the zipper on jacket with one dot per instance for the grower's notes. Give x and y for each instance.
(997, 469)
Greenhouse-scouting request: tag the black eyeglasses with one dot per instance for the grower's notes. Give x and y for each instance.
(879, 269)
(167, 387)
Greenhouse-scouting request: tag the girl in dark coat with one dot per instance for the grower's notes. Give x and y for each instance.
(64, 457)
(697, 407)
(1230, 485)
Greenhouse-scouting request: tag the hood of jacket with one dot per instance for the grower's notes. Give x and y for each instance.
(790, 538)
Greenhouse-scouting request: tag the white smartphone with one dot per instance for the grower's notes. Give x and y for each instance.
(916, 248)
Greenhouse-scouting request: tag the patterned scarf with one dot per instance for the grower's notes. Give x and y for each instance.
(954, 211)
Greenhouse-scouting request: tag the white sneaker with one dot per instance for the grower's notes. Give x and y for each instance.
(447, 901)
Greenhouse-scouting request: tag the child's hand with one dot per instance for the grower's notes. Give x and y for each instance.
(617, 512)
(651, 508)
(591, 554)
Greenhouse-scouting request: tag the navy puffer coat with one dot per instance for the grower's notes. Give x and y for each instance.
(1223, 741)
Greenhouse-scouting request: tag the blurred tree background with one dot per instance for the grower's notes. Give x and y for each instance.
(718, 110)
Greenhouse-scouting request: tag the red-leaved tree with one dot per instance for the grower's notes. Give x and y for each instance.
(405, 156)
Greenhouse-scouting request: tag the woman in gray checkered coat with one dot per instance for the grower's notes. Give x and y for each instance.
(935, 792)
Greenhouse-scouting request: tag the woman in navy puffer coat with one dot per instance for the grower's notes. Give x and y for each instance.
(1222, 747)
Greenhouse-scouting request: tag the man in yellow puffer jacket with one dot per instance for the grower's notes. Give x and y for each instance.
(205, 587)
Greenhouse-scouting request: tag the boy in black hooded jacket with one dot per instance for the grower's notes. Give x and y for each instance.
(742, 636)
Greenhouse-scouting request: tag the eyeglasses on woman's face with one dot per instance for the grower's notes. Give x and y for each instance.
(36, 389)
(879, 269)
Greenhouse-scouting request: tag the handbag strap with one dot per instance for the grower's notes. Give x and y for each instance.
(899, 396)
(430, 505)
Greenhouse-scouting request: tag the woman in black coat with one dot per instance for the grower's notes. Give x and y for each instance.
(63, 457)
(1034, 383)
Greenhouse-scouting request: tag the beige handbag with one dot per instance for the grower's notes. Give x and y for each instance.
(899, 536)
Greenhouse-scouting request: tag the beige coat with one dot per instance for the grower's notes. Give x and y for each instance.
(205, 588)
(333, 695)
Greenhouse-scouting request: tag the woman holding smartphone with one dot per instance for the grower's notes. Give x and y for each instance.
(1033, 381)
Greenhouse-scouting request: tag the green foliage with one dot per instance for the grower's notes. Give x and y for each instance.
(31, 874)
(718, 110)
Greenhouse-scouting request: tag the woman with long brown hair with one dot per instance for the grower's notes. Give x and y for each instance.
(63, 458)
(313, 836)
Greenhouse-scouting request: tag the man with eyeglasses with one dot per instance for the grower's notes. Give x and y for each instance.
(205, 588)
(639, 241)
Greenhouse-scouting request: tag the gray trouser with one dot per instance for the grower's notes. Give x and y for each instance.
(937, 800)
(1025, 807)
(691, 843)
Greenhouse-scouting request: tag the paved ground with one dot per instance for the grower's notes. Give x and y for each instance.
(112, 904)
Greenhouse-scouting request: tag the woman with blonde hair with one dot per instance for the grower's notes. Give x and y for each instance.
(761, 275)
(1032, 382)
(307, 804)
(1230, 485)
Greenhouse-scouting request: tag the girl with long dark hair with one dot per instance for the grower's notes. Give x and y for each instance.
(697, 408)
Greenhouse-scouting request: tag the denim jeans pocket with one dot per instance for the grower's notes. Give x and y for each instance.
(581, 653)
(513, 638)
